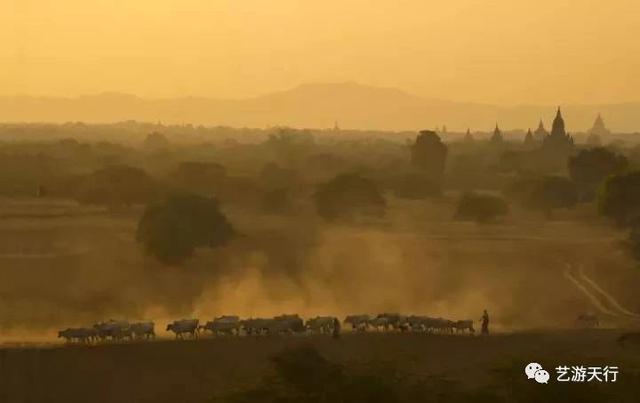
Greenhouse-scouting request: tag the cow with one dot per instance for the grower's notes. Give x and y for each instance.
(358, 322)
(393, 320)
(418, 323)
(440, 325)
(285, 324)
(81, 335)
(380, 323)
(429, 324)
(226, 325)
(461, 326)
(321, 324)
(113, 330)
(144, 330)
(184, 326)
(255, 326)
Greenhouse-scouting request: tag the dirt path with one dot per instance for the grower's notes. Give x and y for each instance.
(602, 301)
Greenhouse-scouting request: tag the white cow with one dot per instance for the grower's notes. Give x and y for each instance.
(227, 325)
(321, 324)
(358, 322)
(81, 335)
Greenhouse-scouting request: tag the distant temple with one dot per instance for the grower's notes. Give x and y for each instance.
(497, 136)
(468, 137)
(540, 133)
(529, 141)
(558, 140)
(599, 129)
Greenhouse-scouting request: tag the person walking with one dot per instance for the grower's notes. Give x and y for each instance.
(336, 328)
(485, 323)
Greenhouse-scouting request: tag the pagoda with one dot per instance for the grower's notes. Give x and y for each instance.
(540, 132)
(599, 129)
(468, 137)
(497, 136)
(529, 141)
(558, 140)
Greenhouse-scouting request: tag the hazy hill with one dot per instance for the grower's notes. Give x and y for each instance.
(314, 105)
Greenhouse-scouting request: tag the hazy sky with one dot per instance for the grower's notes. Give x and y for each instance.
(498, 51)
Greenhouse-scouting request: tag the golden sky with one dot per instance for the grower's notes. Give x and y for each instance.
(497, 51)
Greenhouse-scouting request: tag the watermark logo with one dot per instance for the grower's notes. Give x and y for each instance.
(573, 373)
(535, 371)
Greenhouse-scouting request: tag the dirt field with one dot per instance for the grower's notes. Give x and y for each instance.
(448, 368)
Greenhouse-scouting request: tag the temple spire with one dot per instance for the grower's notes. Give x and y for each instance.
(497, 135)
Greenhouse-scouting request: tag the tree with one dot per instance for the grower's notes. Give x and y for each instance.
(198, 177)
(553, 192)
(480, 207)
(591, 167)
(429, 154)
(116, 186)
(276, 201)
(620, 198)
(156, 141)
(290, 147)
(172, 229)
(634, 241)
(544, 193)
(416, 185)
(347, 195)
(273, 176)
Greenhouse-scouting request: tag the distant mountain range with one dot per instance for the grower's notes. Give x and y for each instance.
(351, 105)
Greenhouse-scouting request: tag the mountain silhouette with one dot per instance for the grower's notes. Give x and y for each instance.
(319, 105)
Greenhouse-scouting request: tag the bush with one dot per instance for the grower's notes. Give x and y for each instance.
(116, 185)
(417, 186)
(480, 208)
(172, 229)
(198, 177)
(620, 198)
(347, 195)
(591, 167)
(544, 193)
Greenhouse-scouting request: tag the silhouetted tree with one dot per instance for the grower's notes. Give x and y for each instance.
(591, 167)
(429, 154)
(290, 146)
(543, 193)
(273, 176)
(480, 207)
(115, 186)
(553, 192)
(156, 141)
(172, 229)
(416, 185)
(620, 198)
(276, 201)
(633, 241)
(198, 177)
(347, 195)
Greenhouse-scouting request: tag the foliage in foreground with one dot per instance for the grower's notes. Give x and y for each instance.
(347, 195)
(620, 198)
(172, 229)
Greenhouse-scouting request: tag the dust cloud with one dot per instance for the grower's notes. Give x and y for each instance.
(297, 265)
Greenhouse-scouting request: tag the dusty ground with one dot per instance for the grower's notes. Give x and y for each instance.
(199, 371)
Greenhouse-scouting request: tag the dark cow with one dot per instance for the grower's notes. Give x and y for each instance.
(184, 326)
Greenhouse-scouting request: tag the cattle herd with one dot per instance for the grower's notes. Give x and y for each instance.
(114, 330)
